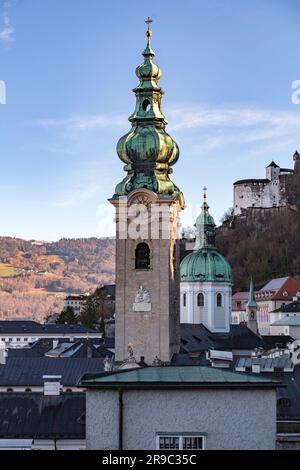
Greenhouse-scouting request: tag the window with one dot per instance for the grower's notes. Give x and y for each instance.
(25, 339)
(180, 442)
(142, 256)
(192, 443)
(28, 390)
(284, 401)
(9, 390)
(200, 300)
(146, 105)
(219, 300)
(184, 299)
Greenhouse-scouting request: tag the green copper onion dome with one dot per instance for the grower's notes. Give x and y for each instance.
(147, 150)
(205, 263)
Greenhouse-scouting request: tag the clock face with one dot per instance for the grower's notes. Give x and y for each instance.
(142, 202)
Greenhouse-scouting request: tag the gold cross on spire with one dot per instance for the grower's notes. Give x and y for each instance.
(149, 21)
(148, 33)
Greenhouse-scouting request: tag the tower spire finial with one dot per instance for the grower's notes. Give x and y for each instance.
(148, 32)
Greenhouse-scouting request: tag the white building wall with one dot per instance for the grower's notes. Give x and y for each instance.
(256, 194)
(216, 319)
(219, 414)
(265, 317)
(293, 331)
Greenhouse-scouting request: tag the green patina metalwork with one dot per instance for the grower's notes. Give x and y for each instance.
(251, 303)
(205, 263)
(147, 150)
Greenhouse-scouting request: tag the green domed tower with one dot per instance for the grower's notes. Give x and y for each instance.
(206, 279)
(147, 150)
(147, 204)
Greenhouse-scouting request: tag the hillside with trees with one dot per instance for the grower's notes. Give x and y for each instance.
(35, 276)
(265, 245)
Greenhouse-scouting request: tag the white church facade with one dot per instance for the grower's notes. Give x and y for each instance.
(206, 280)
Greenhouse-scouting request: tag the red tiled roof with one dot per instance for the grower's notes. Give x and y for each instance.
(284, 288)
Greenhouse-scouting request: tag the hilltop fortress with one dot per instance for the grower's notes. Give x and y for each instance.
(280, 188)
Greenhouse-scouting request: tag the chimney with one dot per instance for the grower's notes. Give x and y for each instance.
(3, 353)
(256, 368)
(52, 385)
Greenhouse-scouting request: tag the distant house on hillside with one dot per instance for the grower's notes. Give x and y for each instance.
(275, 294)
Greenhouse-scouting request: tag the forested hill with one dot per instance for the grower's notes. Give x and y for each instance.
(36, 275)
(265, 245)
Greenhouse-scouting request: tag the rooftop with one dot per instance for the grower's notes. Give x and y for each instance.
(258, 181)
(175, 376)
(197, 338)
(32, 327)
(273, 165)
(292, 307)
(288, 320)
(274, 284)
(34, 415)
(29, 371)
(267, 364)
(284, 288)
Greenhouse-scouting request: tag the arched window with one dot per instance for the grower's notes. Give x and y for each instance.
(184, 299)
(200, 300)
(142, 256)
(219, 300)
(27, 390)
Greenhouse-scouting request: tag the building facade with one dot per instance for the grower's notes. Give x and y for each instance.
(147, 205)
(20, 334)
(274, 295)
(173, 412)
(76, 302)
(280, 188)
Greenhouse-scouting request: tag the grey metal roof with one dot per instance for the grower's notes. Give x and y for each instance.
(274, 284)
(288, 320)
(196, 338)
(29, 371)
(292, 307)
(172, 376)
(267, 364)
(273, 164)
(264, 181)
(32, 327)
(35, 416)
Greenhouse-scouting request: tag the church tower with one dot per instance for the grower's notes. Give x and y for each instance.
(251, 310)
(206, 279)
(147, 205)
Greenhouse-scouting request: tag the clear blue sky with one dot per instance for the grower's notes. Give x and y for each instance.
(69, 68)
